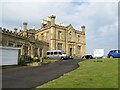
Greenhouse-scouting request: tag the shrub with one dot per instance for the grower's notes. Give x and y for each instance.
(21, 59)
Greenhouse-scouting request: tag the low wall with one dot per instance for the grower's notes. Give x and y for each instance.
(8, 55)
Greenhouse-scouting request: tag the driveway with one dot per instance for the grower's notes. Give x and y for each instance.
(30, 77)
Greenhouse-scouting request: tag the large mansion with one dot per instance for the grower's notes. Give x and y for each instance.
(50, 36)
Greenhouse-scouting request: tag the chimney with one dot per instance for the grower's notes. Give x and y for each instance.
(52, 20)
(61, 24)
(83, 29)
(25, 26)
(15, 30)
(48, 18)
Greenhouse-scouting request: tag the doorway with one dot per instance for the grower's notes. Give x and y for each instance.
(70, 51)
(41, 53)
(25, 50)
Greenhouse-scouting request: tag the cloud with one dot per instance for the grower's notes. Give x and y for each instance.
(100, 19)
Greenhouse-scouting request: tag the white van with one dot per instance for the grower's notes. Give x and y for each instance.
(56, 54)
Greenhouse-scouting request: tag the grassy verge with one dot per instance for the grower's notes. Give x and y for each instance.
(90, 74)
(49, 60)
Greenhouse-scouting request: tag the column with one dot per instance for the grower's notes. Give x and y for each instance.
(75, 50)
(32, 52)
(29, 51)
(38, 52)
(67, 46)
(53, 33)
(53, 43)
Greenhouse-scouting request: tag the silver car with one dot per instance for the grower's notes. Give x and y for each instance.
(56, 54)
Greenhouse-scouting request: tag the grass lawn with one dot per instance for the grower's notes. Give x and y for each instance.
(90, 74)
(49, 60)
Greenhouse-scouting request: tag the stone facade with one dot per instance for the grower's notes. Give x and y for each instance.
(66, 38)
(25, 39)
(50, 36)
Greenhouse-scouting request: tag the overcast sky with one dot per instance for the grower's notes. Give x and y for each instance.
(99, 17)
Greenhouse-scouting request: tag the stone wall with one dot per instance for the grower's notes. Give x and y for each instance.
(70, 38)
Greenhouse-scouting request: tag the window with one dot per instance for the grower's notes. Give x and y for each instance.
(60, 53)
(48, 53)
(51, 53)
(42, 36)
(25, 50)
(118, 51)
(59, 35)
(10, 43)
(70, 36)
(59, 46)
(19, 45)
(78, 50)
(55, 53)
(36, 52)
(41, 52)
(78, 38)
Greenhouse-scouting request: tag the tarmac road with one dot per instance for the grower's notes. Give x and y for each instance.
(30, 77)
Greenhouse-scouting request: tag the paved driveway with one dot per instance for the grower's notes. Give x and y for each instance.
(30, 77)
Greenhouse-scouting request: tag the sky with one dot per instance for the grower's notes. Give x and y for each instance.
(99, 16)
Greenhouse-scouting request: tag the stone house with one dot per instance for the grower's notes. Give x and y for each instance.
(50, 36)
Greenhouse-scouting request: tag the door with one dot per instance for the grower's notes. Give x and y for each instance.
(25, 50)
(41, 53)
(70, 51)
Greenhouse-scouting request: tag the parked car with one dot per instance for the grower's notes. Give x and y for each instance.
(87, 57)
(114, 54)
(56, 54)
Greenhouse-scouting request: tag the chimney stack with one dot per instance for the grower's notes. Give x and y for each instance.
(52, 20)
(48, 18)
(83, 29)
(25, 26)
(15, 30)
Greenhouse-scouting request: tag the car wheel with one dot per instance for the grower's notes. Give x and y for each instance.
(62, 58)
(111, 56)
